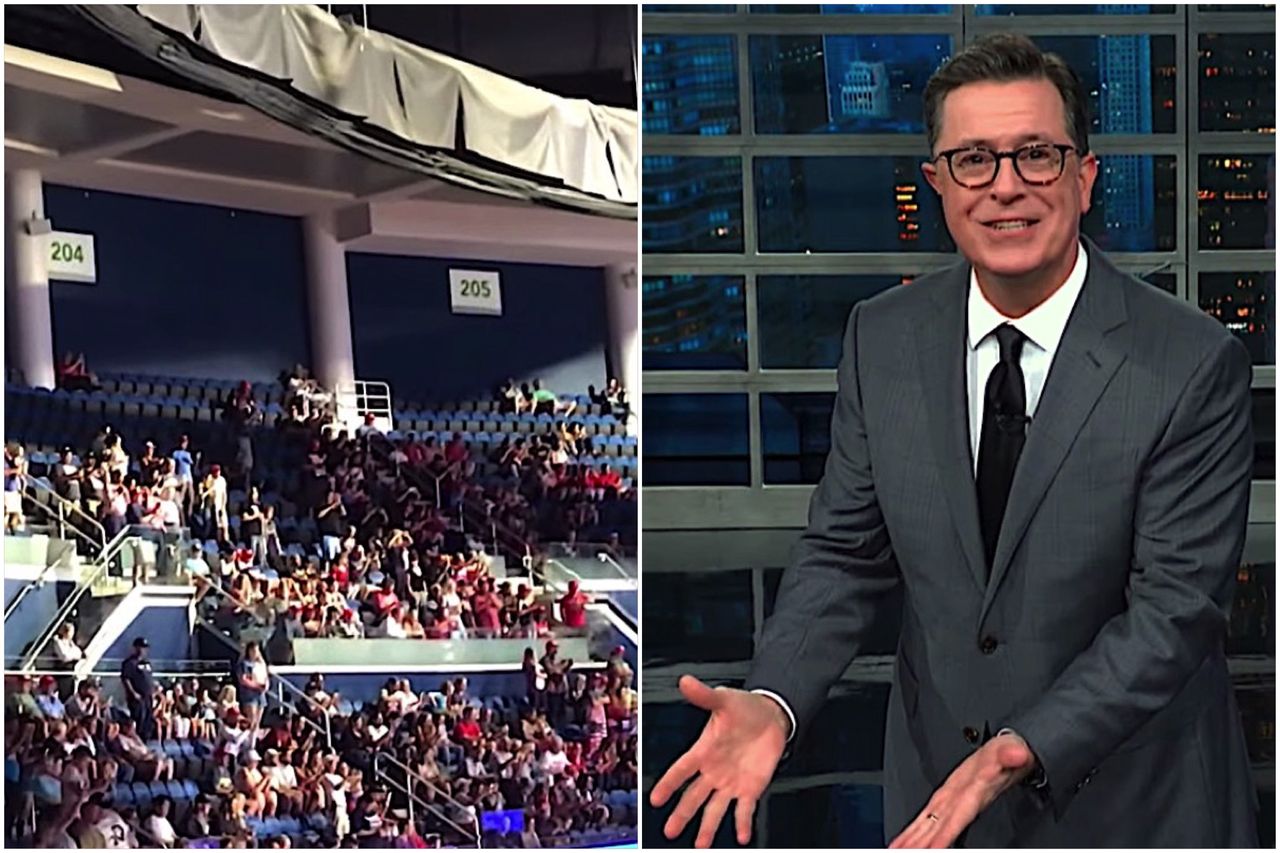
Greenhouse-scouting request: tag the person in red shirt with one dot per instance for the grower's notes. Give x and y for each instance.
(609, 479)
(573, 607)
(385, 600)
(468, 728)
(486, 607)
(455, 450)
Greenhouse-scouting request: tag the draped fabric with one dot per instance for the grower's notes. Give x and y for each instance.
(418, 94)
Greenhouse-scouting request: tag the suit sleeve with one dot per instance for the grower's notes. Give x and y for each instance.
(842, 566)
(1189, 525)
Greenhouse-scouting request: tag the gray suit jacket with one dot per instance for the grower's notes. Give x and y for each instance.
(1100, 635)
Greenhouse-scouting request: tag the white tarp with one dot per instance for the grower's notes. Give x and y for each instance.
(589, 147)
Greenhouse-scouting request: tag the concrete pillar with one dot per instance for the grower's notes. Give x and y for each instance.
(28, 317)
(332, 356)
(622, 298)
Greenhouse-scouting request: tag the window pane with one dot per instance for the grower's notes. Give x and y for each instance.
(1134, 204)
(1131, 80)
(1258, 714)
(802, 317)
(847, 204)
(1264, 433)
(690, 85)
(843, 84)
(1063, 9)
(797, 436)
(1237, 81)
(1166, 281)
(692, 204)
(882, 639)
(1237, 201)
(858, 9)
(1245, 303)
(847, 734)
(696, 440)
(828, 816)
(697, 617)
(1253, 619)
(694, 322)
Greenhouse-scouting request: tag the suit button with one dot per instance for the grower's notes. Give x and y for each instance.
(988, 645)
(971, 734)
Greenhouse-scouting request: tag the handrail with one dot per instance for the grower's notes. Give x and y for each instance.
(87, 581)
(605, 556)
(35, 583)
(36, 487)
(418, 777)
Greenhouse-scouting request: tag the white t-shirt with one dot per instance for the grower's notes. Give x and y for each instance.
(554, 763)
(339, 791)
(160, 829)
(112, 833)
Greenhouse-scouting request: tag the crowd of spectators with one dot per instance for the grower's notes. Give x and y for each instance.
(362, 537)
(551, 756)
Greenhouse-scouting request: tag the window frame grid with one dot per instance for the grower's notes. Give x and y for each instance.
(962, 25)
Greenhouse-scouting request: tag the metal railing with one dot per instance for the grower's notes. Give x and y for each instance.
(356, 398)
(97, 571)
(85, 527)
(279, 686)
(412, 776)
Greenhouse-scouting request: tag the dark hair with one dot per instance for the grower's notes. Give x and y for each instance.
(1006, 57)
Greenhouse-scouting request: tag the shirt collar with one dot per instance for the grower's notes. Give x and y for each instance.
(1043, 325)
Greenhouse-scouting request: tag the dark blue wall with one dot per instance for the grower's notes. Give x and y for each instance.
(183, 289)
(32, 615)
(166, 629)
(553, 327)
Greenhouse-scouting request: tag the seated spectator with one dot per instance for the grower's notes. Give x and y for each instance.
(250, 780)
(199, 822)
(124, 743)
(74, 374)
(51, 707)
(22, 702)
(157, 825)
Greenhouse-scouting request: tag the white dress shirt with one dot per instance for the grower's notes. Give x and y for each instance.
(1043, 326)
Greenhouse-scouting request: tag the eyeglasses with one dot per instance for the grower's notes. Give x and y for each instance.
(1037, 164)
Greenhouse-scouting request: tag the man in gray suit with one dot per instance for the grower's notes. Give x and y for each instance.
(1053, 459)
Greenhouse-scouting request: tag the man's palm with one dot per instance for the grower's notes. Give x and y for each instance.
(733, 759)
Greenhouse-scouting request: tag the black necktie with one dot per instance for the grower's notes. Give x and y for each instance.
(1004, 425)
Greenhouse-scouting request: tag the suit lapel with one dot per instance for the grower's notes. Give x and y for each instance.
(940, 358)
(1081, 370)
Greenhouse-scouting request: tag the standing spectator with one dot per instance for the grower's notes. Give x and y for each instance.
(252, 681)
(213, 501)
(573, 607)
(331, 520)
(67, 477)
(244, 456)
(15, 468)
(139, 687)
(184, 468)
(557, 682)
(251, 518)
(535, 681)
(150, 466)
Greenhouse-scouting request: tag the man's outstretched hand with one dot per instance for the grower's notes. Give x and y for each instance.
(734, 759)
(1001, 763)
